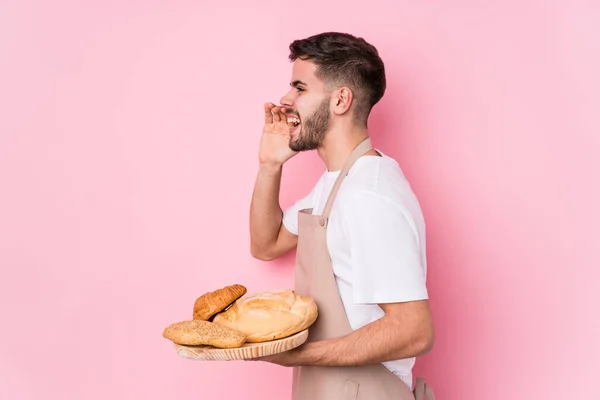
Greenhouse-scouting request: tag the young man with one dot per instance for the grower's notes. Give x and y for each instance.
(360, 233)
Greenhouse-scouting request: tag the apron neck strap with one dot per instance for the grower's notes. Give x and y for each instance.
(360, 150)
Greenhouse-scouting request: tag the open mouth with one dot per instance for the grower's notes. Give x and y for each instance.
(293, 122)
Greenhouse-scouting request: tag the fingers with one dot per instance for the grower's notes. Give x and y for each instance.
(274, 114)
(268, 113)
(279, 113)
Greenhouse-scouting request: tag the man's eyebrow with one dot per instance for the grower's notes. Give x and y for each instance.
(297, 82)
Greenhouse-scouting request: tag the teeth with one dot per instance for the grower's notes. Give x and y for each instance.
(293, 120)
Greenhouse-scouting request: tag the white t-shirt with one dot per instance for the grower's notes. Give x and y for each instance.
(376, 240)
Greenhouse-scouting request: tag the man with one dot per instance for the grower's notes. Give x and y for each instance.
(359, 233)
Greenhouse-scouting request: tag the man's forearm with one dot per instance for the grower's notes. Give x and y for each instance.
(383, 340)
(265, 211)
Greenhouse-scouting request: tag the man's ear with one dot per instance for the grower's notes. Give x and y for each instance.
(342, 100)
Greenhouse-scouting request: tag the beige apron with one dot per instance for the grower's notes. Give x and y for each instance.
(314, 277)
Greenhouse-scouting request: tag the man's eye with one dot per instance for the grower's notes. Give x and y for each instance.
(299, 89)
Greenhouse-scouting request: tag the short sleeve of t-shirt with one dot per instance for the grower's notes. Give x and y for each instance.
(290, 214)
(385, 251)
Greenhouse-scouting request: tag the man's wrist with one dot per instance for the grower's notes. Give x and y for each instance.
(270, 167)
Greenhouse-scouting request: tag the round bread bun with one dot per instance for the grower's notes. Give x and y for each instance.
(268, 316)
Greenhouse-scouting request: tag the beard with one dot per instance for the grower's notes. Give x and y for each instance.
(313, 129)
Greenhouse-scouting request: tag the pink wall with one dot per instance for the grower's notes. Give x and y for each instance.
(118, 122)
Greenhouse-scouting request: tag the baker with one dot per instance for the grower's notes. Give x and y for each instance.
(359, 233)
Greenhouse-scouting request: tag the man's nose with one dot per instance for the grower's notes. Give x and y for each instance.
(286, 100)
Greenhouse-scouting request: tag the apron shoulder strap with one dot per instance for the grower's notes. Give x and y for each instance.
(360, 150)
(423, 391)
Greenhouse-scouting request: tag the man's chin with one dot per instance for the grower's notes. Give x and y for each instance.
(295, 146)
(299, 146)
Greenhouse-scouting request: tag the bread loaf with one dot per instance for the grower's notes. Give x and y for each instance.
(197, 332)
(211, 303)
(268, 316)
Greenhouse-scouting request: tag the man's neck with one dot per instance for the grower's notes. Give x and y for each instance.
(338, 146)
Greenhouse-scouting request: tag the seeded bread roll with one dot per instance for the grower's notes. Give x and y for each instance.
(268, 316)
(197, 332)
(211, 303)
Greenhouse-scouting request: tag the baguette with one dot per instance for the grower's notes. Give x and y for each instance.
(197, 332)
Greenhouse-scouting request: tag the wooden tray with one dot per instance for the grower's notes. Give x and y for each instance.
(245, 352)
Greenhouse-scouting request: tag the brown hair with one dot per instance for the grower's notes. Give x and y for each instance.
(344, 59)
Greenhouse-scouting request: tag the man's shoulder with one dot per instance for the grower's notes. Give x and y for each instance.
(382, 185)
(377, 178)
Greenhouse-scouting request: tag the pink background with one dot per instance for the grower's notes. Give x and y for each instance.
(128, 152)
